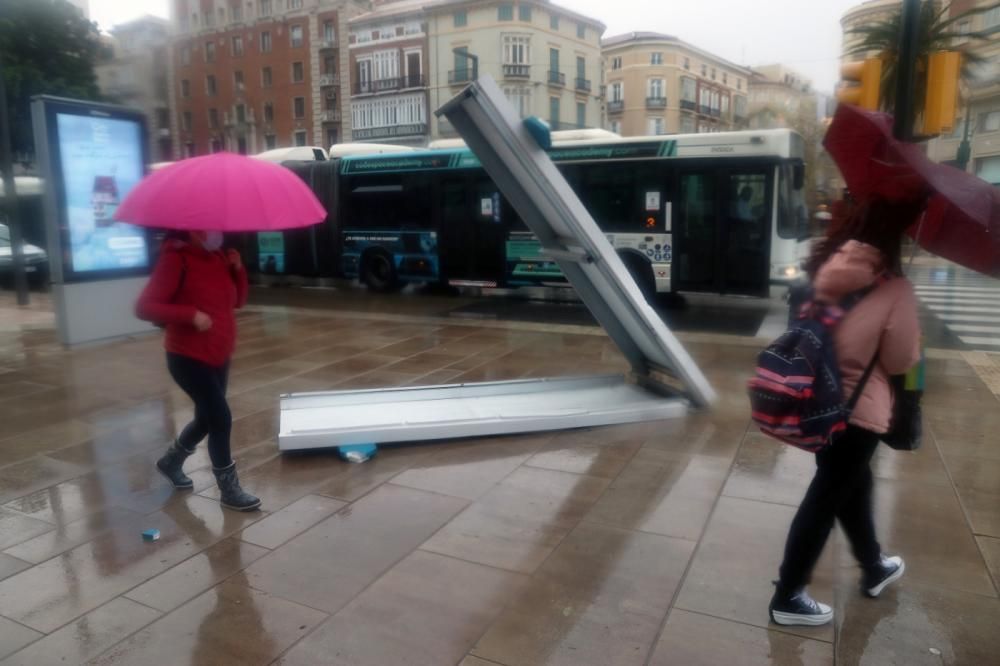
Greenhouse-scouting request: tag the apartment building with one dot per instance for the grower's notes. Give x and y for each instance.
(389, 83)
(547, 59)
(250, 75)
(133, 73)
(658, 84)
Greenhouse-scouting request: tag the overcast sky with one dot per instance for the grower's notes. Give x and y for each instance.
(804, 34)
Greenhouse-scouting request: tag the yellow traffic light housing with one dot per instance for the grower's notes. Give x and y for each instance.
(944, 69)
(863, 81)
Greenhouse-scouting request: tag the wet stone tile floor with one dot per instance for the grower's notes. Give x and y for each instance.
(650, 543)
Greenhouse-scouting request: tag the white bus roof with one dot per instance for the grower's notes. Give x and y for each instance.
(293, 154)
(346, 149)
(558, 137)
(25, 186)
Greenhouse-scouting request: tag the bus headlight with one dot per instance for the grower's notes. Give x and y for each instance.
(791, 272)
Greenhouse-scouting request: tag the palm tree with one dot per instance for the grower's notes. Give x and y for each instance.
(937, 32)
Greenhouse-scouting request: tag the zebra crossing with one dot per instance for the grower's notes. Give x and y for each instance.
(967, 303)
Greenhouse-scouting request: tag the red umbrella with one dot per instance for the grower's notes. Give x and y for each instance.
(962, 221)
(221, 192)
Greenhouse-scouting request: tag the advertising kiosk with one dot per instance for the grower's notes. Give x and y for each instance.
(92, 155)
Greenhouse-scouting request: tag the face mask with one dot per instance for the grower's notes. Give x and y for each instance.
(212, 240)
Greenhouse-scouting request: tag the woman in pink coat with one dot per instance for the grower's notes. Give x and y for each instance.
(852, 258)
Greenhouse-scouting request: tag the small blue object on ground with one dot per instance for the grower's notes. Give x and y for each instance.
(151, 535)
(357, 453)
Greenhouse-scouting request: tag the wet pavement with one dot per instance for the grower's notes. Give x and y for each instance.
(648, 543)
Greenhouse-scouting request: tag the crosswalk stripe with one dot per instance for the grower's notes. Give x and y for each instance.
(975, 328)
(980, 342)
(959, 308)
(980, 319)
(960, 300)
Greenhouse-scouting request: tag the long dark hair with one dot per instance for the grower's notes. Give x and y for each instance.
(877, 222)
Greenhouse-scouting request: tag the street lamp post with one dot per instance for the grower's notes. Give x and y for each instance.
(10, 199)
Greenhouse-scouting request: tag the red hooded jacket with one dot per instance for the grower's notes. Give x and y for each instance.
(188, 278)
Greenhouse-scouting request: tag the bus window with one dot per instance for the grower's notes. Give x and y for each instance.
(389, 202)
(793, 219)
(608, 192)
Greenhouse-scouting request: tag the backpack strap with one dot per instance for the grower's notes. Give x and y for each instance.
(830, 315)
(856, 395)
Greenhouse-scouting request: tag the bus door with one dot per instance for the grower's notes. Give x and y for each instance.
(721, 239)
(471, 231)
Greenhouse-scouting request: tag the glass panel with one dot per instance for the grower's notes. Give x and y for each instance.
(695, 245)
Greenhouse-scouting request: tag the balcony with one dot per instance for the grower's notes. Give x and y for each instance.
(389, 85)
(688, 105)
(459, 77)
(327, 44)
(391, 132)
(704, 110)
(616, 106)
(583, 85)
(656, 102)
(557, 79)
(331, 116)
(517, 71)
(716, 113)
(326, 80)
(237, 120)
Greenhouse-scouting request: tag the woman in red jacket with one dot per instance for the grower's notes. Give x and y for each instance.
(194, 292)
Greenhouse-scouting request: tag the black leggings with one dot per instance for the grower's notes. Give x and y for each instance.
(206, 386)
(841, 489)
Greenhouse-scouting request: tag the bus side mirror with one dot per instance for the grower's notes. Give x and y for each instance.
(799, 176)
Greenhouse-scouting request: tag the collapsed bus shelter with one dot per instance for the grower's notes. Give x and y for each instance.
(663, 382)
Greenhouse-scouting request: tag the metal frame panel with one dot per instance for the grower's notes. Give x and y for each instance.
(531, 182)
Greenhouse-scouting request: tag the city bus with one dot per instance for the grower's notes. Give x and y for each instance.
(719, 213)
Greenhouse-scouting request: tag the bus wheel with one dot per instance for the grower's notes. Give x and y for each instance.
(379, 273)
(642, 272)
(673, 301)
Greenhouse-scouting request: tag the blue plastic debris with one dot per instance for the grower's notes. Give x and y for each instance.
(151, 535)
(357, 453)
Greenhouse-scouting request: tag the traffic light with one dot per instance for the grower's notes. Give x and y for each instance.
(944, 69)
(863, 81)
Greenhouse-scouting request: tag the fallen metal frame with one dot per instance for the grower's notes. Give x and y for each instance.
(664, 379)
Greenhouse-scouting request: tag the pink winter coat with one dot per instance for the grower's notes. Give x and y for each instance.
(886, 319)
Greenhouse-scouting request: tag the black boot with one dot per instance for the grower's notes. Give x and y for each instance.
(233, 496)
(171, 463)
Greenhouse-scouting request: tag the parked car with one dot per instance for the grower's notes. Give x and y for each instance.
(36, 261)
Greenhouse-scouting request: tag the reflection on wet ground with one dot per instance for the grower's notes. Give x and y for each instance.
(644, 543)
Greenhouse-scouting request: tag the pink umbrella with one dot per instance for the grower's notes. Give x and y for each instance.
(221, 192)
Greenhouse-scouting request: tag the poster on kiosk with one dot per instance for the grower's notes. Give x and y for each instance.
(92, 155)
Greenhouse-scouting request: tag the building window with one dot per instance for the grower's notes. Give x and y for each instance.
(581, 31)
(739, 84)
(295, 4)
(704, 70)
(617, 92)
(654, 126)
(209, 19)
(524, 13)
(299, 108)
(460, 19)
(268, 112)
(265, 7)
(236, 12)
(330, 65)
(655, 90)
(656, 58)
(185, 88)
(213, 118)
(329, 32)
(554, 113)
(687, 63)
(991, 18)
(266, 77)
(581, 69)
(185, 55)
(616, 126)
(300, 137)
(265, 42)
(210, 86)
(186, 121)
(616, 63)
(688, 90)
(209, 51)
(553, 22)
(725, 105)
(270, 141)
(516, 50)
(295, 35)
(989, 122)
(332, 137)
(713, 73)
(194, 19)
(687, 125)
(740, 106)
(581, 115)
(238, 79)
(237, 46)
(505, 13)
(520, 99)
(298, 72)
